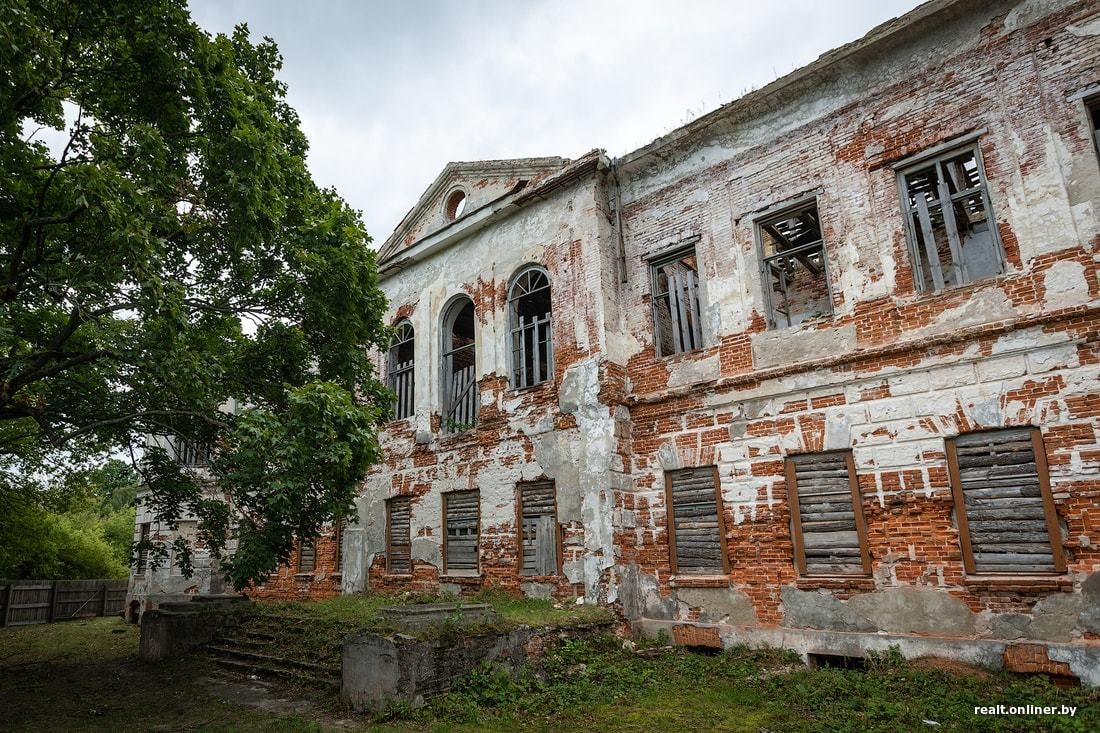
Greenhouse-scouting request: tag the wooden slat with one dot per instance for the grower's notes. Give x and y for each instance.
(826, 520)
(695, 526)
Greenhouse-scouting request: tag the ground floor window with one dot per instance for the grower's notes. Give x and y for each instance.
(697, 538)
(538, 529)
(830, 537)
(460, 543)
(398, 535)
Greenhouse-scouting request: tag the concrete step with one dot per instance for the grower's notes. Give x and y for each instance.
(270, 659)
(248, 669)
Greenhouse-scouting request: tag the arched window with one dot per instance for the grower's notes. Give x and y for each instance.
(400, 370)
(460, 396)
(529, 320)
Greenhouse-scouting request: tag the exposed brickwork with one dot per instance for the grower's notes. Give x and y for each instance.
(1031, 658)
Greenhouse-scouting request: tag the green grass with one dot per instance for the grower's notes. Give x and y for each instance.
(84, 676)
(362, 611)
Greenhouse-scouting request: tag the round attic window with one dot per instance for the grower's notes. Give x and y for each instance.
(456, 204)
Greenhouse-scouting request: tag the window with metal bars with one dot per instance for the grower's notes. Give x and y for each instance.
(795, 271)
(1003, 503)
(538, 521)
(400, 370)
(952, 234)
(696, 530)
(399, 535)
(190, 454)
(530, 325)
(307, 556)
(830, 536)
(460, 542)
(459, 380)
(675, 295)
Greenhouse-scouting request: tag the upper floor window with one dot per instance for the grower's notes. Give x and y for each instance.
(1003, 504)
(529, 319)
(400, 370)
(952, 235)
(1094, 120)
(795, 271)
(190, 454)
(675, 288)
(460, 394)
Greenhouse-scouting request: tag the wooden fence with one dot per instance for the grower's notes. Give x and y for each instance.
(42, 601)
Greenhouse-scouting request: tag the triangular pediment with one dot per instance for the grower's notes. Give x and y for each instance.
(463, 188)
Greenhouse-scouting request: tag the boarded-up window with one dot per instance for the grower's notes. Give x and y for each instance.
(460, 547)
(538, 529)
(830, 537)
(795, 272)
(400, 370)
(952, 235)
(143, 548)
(307, 556)
(675, 283)
(338, 540)
(1003, 504)
(529, 318)
(696, 532)
(459, 381)
(398, 535)
(1094, 118)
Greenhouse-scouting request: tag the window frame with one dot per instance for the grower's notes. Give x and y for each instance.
(655, 263)
(790, 474)
(395, 372)
(1050, 511)
(558, 555)
(517, 330)
(771, 215)
(461, 573)
(935, 156)
(302, 545)
(448, 402)
(145, 533)
(670, 519)
(389, 535)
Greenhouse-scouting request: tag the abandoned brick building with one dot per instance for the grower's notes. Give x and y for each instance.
(816, 370)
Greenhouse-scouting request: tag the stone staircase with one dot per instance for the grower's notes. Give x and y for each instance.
(267, 648)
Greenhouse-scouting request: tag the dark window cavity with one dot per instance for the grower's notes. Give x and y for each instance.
(460, 547)
(538, 529)
(460, 394)
(830, 537)
(952, 234)
(1003, 503)
(675, 284)
(529, 319)
(400, 370)
(795, 272)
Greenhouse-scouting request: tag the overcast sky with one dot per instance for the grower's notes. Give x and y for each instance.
(389, 92)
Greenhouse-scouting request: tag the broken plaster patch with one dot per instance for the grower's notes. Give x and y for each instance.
(1066, 284)
(788, 346)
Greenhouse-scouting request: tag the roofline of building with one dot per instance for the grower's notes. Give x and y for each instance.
(490, 213)
(871, 40)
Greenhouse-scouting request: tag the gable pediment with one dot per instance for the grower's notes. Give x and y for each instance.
(463, 188)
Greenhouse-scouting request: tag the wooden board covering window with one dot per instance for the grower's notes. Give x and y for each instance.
(697, 537)
(307, 557)
(143, 548)
(830, 537)
(398, 535)
(460, 541)
(1003, 504)
(538, 529)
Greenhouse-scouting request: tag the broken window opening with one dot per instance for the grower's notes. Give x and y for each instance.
(676, 302)
(1094, 118)
(795, 271)
(830, 535)
(538, 529)
(1003, 503)
(400, 370)
(399, 535)
(529, 315)
(961, 246)
(697, 538)
(460, 393)
(189, 454)
(460, 555)
(307, 556)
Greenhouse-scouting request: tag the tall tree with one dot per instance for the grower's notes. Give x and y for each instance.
(169, 267)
